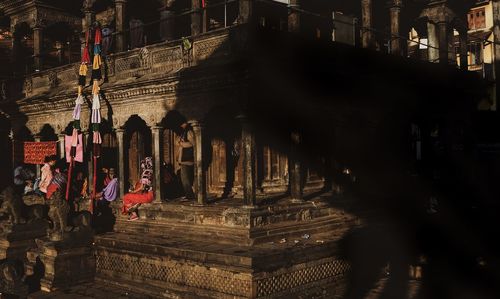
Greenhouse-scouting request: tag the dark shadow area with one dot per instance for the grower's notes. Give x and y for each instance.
(355, 110)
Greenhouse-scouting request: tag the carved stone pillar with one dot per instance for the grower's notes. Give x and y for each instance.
(366, 23)
(62, 148)
(248, 152)
(496, 51)
(464, 62)
(37, 46)
(89, 14)
(167, 22)
(294, 16)
(121, 160)
(196, 17)
(433, 42)
(245, 12)
(443, 42)
(296, 190)
(199, 173)
(37, 138)
(395, 12)
(156, 131)
(120, 25)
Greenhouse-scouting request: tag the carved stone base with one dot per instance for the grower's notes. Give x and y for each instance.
(67, 263)
(16, 239)
(11, 282)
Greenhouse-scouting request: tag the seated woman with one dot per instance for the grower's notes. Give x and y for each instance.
(143, 192)
(110, 190)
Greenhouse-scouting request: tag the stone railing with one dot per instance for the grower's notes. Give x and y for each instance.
(214, 47)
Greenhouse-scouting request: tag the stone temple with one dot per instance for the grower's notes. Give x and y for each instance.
(311, 119)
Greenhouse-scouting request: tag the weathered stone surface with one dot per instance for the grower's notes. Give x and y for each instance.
(66, 263)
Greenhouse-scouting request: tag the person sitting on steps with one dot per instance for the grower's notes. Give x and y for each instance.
(142, 193)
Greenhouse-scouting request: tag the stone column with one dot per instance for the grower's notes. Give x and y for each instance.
(496, 51)
(395, 12)
(156, 131)
(432, 42)
(296, 191)
(248, 154)
(199, 173)
(15, 43)
(367, 24)
(37, 46)
(294, 16)
(121, 160)
(62, 148)
(245, 12)
(37, 138)
(464, 62)
(443, 42)
(120, 25)
(196, 17)
(167, 22)
(60, 52)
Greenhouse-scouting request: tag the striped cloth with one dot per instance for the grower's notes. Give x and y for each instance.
(78, 107)
(96, 112)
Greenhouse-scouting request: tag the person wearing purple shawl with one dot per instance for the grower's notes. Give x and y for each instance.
(110, 191)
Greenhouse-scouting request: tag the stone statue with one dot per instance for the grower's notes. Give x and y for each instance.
(11, 279)
(58, 213)
(11, 205)
(16, 211)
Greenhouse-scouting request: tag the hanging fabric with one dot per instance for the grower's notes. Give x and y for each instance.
(76, 136)
(96, 109)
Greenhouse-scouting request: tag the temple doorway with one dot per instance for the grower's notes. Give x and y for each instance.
(137, 147)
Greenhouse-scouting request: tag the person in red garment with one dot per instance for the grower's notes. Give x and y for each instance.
(143, 192)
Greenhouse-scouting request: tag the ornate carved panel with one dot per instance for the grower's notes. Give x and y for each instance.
(40, 82)
(127, 63)
(178, 273)
(167, 60)
(290, 280)
(68, 76)
(212, 47)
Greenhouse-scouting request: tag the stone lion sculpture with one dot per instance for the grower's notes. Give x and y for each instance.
(62, 218)
(13, 207)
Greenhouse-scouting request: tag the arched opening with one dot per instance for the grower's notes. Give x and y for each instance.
(21, 135)
(272, 159)
(47, 133)
(223, 132)
(109, 146)
(137, 147)
(171, 185)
